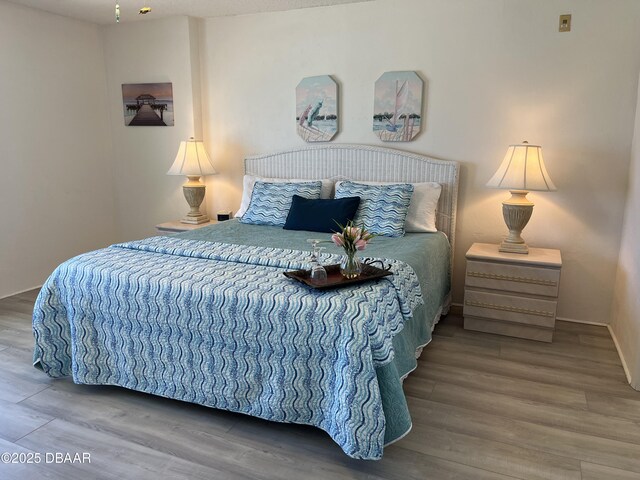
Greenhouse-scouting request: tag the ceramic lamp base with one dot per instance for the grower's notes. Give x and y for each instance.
(516, 212)
(508, 247)
(194, 193)
(195, 220)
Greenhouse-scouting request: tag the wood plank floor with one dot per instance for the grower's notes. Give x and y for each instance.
(483, 407)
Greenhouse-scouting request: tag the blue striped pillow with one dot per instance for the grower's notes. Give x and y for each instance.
(270, 202)
(383, 208)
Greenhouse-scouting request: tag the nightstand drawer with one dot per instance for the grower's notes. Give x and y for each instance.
(530, 332)
(513, 278)
(510, 308)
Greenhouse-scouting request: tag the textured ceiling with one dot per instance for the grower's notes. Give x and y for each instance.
(103, 11)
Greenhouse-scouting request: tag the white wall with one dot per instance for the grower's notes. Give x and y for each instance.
(625, 318)
(149, 52)
(56, 197)
(496, 72)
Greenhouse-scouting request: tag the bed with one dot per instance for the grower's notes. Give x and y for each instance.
(207, 317)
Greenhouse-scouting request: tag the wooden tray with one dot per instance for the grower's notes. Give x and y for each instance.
(335, 278)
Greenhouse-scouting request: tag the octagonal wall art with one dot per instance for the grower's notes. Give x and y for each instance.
(317, 108)
(397, 110)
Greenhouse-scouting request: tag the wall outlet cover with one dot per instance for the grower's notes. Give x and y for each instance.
(565, 23)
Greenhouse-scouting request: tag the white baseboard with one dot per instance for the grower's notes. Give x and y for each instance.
(624, 363)
(573, 320)
(455, 309)
(21, 291)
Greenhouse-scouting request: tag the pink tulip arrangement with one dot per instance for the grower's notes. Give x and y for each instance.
(352, 238)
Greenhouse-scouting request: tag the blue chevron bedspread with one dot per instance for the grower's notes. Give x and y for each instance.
(219, 325)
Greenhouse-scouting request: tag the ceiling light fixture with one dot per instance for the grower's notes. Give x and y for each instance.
(144, 10)
(117, 12)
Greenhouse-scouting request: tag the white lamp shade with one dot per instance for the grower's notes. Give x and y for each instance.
(522, 169)
(192, 160)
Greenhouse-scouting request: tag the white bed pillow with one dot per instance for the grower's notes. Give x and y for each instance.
(248, 181)
(421, 216)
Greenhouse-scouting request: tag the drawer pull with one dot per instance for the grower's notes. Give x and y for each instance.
(495, 276)
(493, 306)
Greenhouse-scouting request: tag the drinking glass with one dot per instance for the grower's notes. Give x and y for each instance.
(318, 272)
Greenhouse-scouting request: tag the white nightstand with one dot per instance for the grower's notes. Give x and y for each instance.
(512, 294)
(178, 226)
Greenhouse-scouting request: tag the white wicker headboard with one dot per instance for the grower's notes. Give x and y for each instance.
(366, 163)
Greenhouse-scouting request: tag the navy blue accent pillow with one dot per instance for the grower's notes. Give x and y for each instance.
(321, 215)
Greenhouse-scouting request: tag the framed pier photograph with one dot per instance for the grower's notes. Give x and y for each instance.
(147, 104)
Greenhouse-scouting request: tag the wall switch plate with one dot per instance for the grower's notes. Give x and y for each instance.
(565, 23)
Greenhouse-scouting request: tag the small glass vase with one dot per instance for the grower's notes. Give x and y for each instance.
(350, 267)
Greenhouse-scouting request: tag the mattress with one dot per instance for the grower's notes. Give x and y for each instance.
(207, 317)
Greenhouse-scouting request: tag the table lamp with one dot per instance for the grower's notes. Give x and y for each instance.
(521, 170)
(193, 161)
